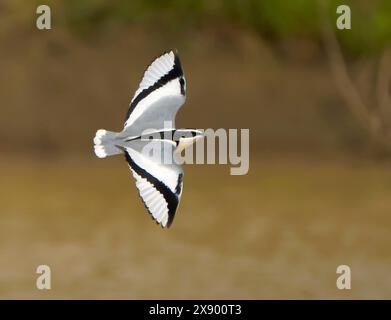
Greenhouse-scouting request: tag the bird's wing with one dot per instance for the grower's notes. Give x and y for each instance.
(161, 93)
(159, 183)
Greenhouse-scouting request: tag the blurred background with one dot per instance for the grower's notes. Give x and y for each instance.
(318, 193)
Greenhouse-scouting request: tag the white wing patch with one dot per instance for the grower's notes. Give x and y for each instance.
(158, 68)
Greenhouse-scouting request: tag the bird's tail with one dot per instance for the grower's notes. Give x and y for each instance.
(104, 144)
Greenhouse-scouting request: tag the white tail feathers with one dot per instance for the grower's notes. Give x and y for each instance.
(105, 144)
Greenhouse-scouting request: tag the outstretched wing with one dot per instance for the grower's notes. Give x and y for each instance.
(158, 179)
(161, 93)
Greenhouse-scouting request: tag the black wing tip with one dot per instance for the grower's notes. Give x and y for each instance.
(170, 219)
(176, 53)
(178, 64)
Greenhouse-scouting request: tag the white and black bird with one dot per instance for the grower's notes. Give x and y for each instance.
(161, 93)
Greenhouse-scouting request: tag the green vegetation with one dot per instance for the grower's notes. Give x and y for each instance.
(275, 20)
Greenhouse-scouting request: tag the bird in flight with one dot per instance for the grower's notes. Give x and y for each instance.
(158, 176)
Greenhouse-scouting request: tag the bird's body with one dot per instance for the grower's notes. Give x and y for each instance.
(150, 126)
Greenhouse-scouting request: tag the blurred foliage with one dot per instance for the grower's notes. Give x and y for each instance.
(274, 20)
